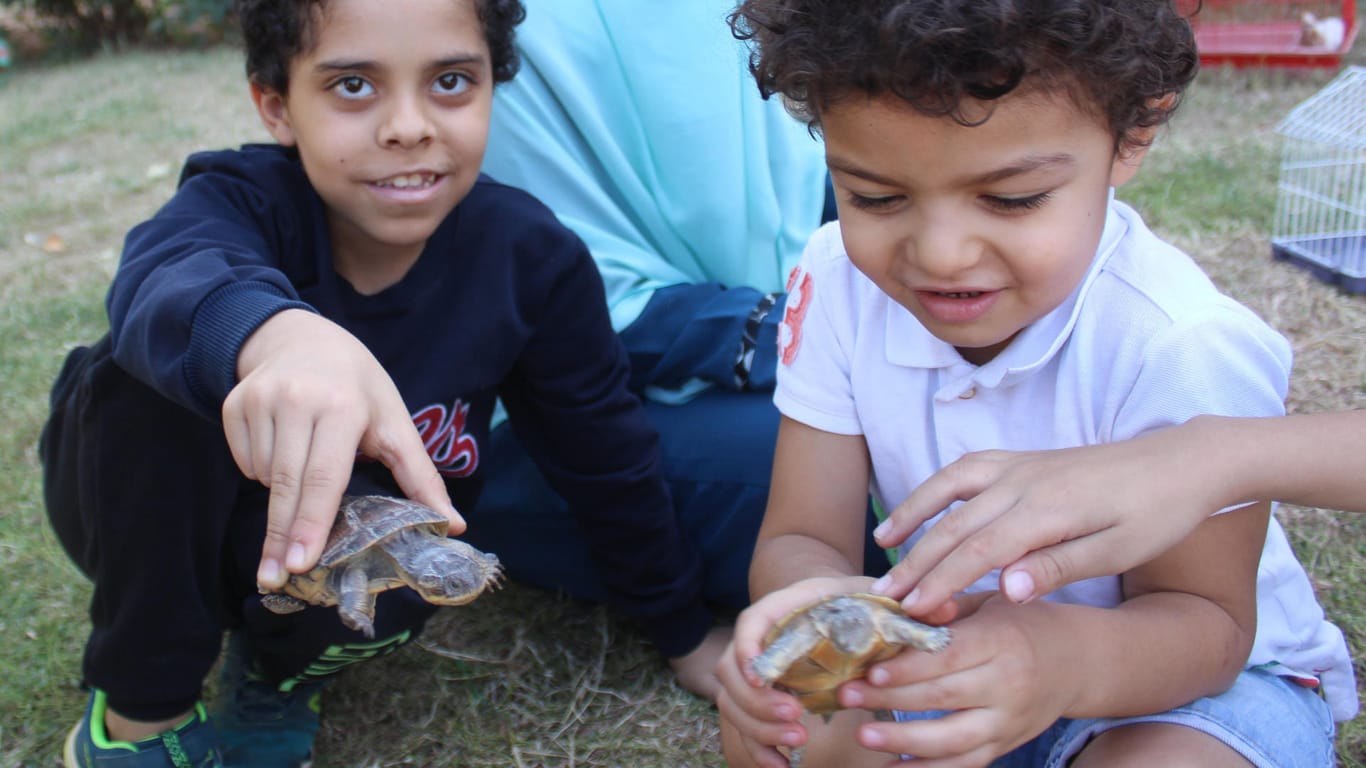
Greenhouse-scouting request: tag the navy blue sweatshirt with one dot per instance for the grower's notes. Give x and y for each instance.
(503, 302)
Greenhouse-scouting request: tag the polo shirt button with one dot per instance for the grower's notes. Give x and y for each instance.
(971, 393)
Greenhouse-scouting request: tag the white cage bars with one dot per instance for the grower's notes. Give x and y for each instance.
(1321, 203)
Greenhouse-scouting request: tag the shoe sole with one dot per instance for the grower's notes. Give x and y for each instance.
(69, 748)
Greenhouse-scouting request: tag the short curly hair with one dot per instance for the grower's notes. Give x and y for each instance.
(1127, 62)
(275, 31)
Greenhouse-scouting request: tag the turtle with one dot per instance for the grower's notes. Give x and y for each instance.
(816, 648)
(379, 543)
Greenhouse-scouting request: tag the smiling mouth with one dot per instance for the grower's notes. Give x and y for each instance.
(959, 294)
(408, 181)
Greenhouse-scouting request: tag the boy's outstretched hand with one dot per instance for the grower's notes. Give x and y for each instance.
(1048, 518)
(309, 396)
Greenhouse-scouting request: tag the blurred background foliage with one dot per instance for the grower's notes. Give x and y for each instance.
(40, 31)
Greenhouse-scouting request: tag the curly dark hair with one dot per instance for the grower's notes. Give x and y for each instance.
(275, 31)
(1127, 62)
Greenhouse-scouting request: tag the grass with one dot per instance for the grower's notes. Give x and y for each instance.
(520, 677)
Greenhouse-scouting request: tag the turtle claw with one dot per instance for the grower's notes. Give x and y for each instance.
(278, 603)
(358, 622)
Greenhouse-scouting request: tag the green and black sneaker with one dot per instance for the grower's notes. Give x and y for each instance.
(260, 725)
(192, 744)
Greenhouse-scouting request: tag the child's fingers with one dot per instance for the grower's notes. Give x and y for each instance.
(964, 545)
(323, 475)
(923, 682)
(754, 622)
(1100, 553)
(400, 448)
(237, 431)
(961, 479)
(956, 739)
(759, 734)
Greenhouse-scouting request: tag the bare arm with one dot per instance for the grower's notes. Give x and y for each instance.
(810, 528)
(1053, 517)
(809, 546)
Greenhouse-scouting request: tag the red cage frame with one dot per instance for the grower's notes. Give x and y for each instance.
(1266, 33)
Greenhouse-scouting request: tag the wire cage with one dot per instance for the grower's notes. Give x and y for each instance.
(1321, 198)
(1272, 33)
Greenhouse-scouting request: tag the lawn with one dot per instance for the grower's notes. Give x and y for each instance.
(519, 677)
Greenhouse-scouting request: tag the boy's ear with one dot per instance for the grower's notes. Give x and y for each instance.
(1126, 164)
(1128, 160)
(274, 112)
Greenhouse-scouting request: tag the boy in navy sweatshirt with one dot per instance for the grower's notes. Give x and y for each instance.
(337, 312)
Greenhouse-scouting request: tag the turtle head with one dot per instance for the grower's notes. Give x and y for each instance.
(455, 573)
(847, 625)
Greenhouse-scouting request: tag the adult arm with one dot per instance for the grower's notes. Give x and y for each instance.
(1054, 517)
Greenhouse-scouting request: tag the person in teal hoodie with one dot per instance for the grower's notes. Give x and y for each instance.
(639, 125)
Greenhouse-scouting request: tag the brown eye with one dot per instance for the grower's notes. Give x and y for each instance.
(353, 87)
(451, 83)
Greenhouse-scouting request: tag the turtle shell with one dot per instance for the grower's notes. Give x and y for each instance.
(378, 543)
(815, 649)
(368, 520)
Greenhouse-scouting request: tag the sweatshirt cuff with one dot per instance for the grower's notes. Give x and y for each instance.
(763, 369)
(680, 632)
(221, 326)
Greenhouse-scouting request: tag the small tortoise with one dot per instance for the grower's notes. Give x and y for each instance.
(814, 649)
(379, 543)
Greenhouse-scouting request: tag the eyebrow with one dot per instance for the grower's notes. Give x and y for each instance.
(363, 65)
(1024, 165)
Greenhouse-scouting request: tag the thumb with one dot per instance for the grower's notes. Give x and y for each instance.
(417, 477)
(430, 491)
(1040, 572)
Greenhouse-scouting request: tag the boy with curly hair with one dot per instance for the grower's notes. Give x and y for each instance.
(983, 289)
(337, 312)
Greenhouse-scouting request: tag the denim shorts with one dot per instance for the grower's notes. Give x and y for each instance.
(1271, 721)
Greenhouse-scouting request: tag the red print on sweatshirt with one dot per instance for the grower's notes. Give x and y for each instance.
(443, 432)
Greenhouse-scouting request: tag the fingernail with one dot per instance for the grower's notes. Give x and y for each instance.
(269, 574)
(911, 600)
(872, 738)
(881, 586)
(882, 529)
(879, 676)
(294, 560)
(792, 738)
(851, 698)
(1019, 586)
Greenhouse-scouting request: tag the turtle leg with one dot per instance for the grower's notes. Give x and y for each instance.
(355, 602)
(278, 603)
(904, 631)
(784, 651)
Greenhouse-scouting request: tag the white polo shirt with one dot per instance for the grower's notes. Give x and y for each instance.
(1145, 341)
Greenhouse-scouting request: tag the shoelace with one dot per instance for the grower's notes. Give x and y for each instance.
(171, 740)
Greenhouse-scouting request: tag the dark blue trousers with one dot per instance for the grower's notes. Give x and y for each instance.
(717, 453)
(146, 499)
